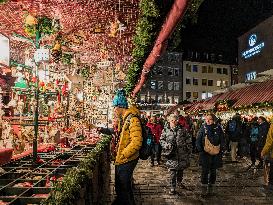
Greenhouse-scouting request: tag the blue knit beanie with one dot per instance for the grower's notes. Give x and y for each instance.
(120, 99)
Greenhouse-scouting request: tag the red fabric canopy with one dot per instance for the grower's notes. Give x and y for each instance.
(173, 17)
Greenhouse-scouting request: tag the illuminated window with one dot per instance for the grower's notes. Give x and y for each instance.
(218, 83)
(170, 85)
(159, 98)
(209, 95)
(176, 86)
(153, 84)
(204, 95)
(195, 95)
(204, 82)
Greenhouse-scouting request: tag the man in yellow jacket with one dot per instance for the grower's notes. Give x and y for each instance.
(129, 144)
(268, 151)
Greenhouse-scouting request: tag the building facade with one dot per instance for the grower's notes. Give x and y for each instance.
(255, 51)
(164, 86)
(200, 79)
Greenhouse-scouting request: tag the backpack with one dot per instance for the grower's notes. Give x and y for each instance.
(232, 126)
(209, 147)
(147, 139)
(254, 134)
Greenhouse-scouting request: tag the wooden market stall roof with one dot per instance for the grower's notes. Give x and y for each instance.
(248, 95)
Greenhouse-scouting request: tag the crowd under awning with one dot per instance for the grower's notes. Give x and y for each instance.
(248, 95)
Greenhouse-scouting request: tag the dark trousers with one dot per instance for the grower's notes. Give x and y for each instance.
(270, 180)
(253, 152)
(123, 183)
(156, 153)
(208, 175)
(176, 177)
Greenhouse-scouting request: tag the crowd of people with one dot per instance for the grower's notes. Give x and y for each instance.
(176, 138)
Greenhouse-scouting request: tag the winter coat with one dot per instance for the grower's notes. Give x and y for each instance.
(180, 141)
(268, 147)
(237, 134)
(263, 130)
(216, 137)
(156, 130)
(130, 138)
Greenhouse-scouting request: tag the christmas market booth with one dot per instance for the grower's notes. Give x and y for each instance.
(249, 100)
(60, 64)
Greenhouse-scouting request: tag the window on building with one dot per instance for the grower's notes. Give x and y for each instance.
(176, 99)
(188, 81)
(204, 95)
(219, 70)
(209, 95)
(188, 95)
(170, 71)
(225, 83)
(204, 82)
(160, 85)
(170, 99)
(188, 67)
(176, 86)
(210, 82)
(219, 83)
(176, 71)
(195, 81)
(204, 69)
(159, 70)
(153, 84)
(170, 85)
(225, 71)
(142, 98)
(210, 69)
(194, 68)
(235, 71)
(159, 98)
(195, 95)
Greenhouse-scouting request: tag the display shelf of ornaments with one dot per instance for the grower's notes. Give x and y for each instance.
(24, 182)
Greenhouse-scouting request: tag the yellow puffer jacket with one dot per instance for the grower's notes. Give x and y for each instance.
(130, 138)
(268, 147)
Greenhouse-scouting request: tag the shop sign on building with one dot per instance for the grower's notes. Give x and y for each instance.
(251, 76)
(254, 47)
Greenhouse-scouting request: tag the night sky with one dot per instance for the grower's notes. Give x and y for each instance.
(221, 22)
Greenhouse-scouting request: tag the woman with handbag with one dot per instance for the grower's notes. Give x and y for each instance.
(176, 147)
(210, 143)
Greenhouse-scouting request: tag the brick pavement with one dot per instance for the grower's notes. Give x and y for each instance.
(236, 184)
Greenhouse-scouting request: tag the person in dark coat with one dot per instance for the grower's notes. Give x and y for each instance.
(176, 147)
(263, 130)
(210, 163)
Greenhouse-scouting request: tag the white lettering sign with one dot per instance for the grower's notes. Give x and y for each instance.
(251, 76)
(253, 50)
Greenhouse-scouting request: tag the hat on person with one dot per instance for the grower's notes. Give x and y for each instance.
(120, 99)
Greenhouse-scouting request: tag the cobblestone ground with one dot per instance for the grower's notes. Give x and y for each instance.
(236, 184)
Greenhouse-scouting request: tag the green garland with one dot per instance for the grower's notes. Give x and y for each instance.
(152, 14)
(146, 31)
(68, 191)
